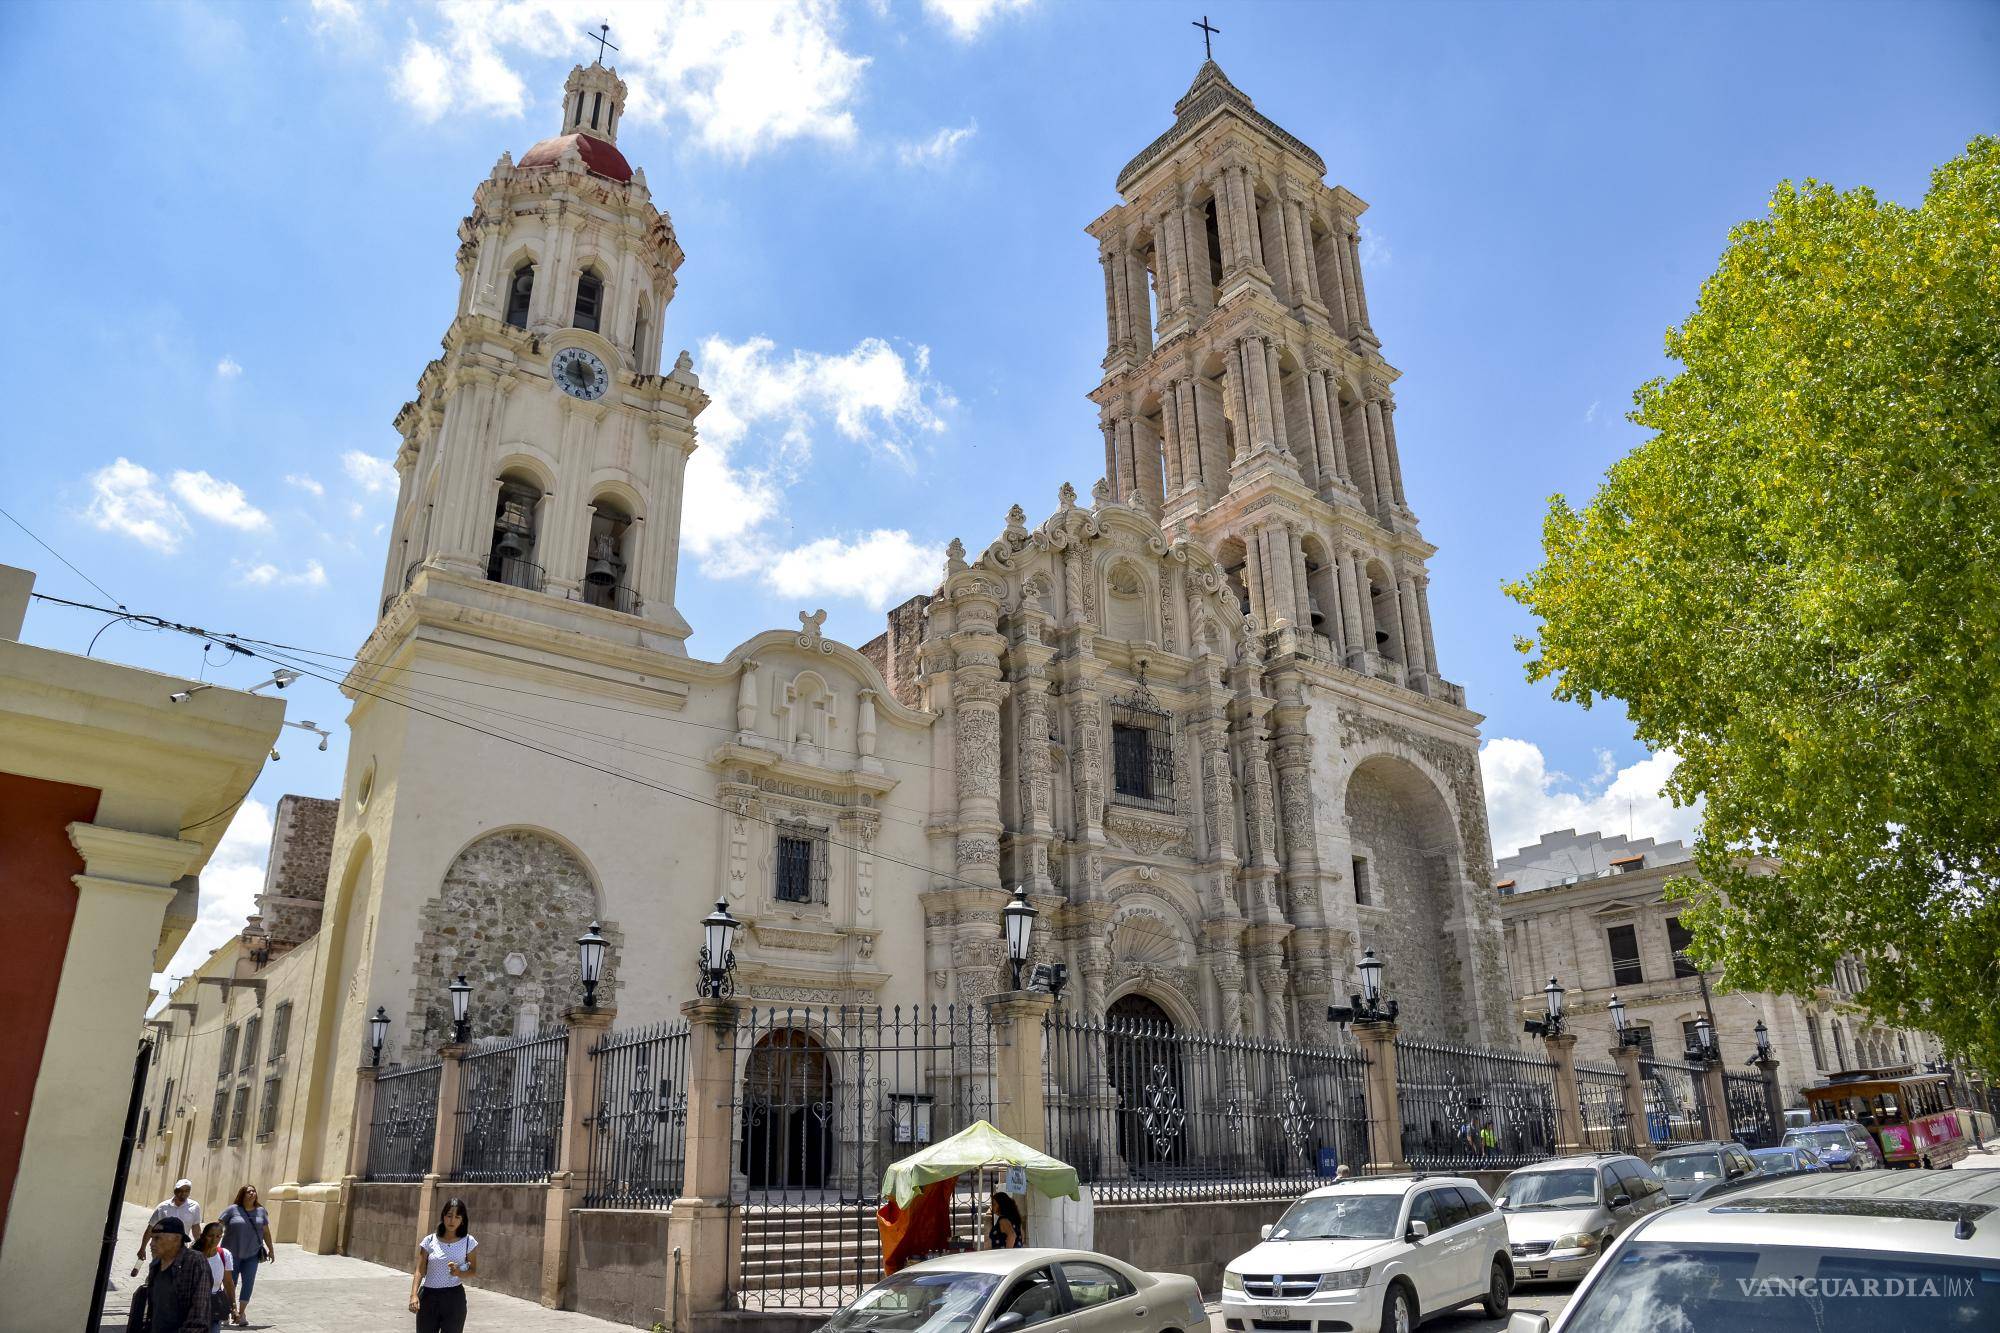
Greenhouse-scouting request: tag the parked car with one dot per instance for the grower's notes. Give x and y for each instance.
(1688, 1168)
(1783, 1161)
(1889, 1252)
(1374, 1255)
(1798, 1118)
(1562, 1213)
(993, 1291)
(1841, 1144)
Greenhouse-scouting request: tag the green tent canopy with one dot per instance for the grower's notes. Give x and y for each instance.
(978, 1144)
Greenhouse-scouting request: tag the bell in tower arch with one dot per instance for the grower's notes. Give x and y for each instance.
(602, 568)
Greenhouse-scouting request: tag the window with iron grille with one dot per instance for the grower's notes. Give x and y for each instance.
(802, 863)
(145, 1123)
(281, 1032)
(1679, 937)
(1818, 1042)
(167, 1104)
(238, 1112)
(1142, 760)
(1625, 968)
(267, 1110)
(228, 1065)
(251, 1027)
(216, 1115)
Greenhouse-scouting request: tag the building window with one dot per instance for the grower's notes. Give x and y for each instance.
(281, 1032)
(145, 1123)
(520, 291)
(216, 1113)
(267, 1111)
(1818, 1044)
(1679, 937)
(166, 1106)
(238, 1112)
(1364, 889)
(228, 1065)
(1690, 1033)
(801, 864)
(250, 1033)
(1839, 1047)
(1142, 759)
(1645, 1031)
(1625, 968)
(589, 301)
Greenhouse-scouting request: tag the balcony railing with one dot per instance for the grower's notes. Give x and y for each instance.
(612, 597)
(515, 573)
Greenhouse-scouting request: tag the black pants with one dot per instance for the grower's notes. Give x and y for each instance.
(441, 1310)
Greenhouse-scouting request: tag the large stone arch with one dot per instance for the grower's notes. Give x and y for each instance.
(507, 914)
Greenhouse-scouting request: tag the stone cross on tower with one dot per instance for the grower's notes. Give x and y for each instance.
(603, 40)
(1207, 34)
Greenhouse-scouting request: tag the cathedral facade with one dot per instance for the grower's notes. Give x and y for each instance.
(1197, 715)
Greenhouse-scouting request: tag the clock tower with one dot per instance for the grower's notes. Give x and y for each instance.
(542, 460)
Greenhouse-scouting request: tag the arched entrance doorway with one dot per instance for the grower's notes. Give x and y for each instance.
(1144, 1064)
(787, 1138)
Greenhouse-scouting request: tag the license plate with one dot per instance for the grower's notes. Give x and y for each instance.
(1274, 1312)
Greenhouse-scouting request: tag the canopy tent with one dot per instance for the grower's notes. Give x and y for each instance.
(978, 1144)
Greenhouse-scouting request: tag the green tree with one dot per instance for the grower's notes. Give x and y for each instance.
(1794, 583)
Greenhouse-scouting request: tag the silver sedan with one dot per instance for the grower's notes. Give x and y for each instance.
(1051, 1291)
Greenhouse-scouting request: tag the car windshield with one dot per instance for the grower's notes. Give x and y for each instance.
(1820, 1138)
(1549, 1189)
(1777, 1163)
(1788, 1289)
(918, 1301)
(1340, 1217)
(1691, 1166)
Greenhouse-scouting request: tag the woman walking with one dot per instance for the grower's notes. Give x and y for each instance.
(246, 1234)
(221, 1275)
(444, 1259)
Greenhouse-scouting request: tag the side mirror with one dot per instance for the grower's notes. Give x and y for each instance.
(1527, 1322)
(1264, 1232)
(1014, 1319)
(1419, 1230)
(1621, 1201)
(1500, 1202)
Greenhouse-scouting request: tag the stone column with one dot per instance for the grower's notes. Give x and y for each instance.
(1017, 1039)
(1627, 1058)
(1360, 288)
(701, 1224)
(1378, 457)
(1569, 1099)
(1135, 294)
(1715, 1096)
(1343, 251)
(1362, 459)
(363, 1123)
(1369, 626)
(1280, 593)
(1271, 979)
(1194, 220)
(1351, 601)
(1190, 418)
(1413, 637)
(1242, 220)
(1116, 272)
(1236, 393)
(1773, 1097)
(1170, 444)
(1112, 468)
(976, 693)
(1306, 244)
(1301, 585)
(1253, 577)
(1170, 244)
(1385, 1115)
(1395, 461)
(1280, 428)
(1113, 325)
(1424, 621)
(1125, 486)
(1257, 382)
(1325, 461)
(587, 1027)
(444, 1135)
(1299, 254)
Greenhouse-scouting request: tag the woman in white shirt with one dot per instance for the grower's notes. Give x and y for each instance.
(444, 1259)
(221, 1275)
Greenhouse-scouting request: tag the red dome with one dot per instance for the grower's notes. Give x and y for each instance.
(601, 158)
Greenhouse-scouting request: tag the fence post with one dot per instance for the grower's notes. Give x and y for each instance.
(357, 1148)
(1385, 1112)
(587, 1027)
(444, 1135)
(1715, 1094)
(1017, 1055)
(1773, 1098)
(1627, 1058)
(1569, 1099)
(700, 1236)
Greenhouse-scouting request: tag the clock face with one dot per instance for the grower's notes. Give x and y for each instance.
(579, 373)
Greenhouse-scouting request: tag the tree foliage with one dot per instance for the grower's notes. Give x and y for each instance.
(1795, 584)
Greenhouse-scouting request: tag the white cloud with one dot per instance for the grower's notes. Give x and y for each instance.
(938, 150)
(1525, 798)
(335, 15)
(1374, 249)
(228, 369)
(219, 500)
(883, 566)
(268, 575)
(377, 476)
(749, 76)
(230, 883)
(305, 482)
(965, 18)
(1590, 413)
(125, 497)
(873, 394)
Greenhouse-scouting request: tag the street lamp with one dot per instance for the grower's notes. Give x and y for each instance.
(717, 959)
(1552, 1024)
(590, 948)
(1017, 918)
(378, 1029)
(1703, 1049)
(1368, 1007)
(461, 997)
(1763, 1035)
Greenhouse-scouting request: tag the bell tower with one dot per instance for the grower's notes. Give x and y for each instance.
(542, 460)
(1245, 401)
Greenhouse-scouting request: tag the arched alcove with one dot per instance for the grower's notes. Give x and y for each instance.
(1406, 850)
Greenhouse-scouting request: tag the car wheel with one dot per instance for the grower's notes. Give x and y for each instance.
(1498, 1285)
(1398, 1315)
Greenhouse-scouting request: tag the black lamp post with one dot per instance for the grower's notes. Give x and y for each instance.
(1763, 1035)
(1551, 1025)
(1368, 1008)
(718, 953)
(590, 948)
(1017, 918)
(378, 1029)
(1703, 1050)
(1627, 1036)
(461, 998)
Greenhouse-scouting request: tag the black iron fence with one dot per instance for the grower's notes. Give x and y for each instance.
(1600, 1092)
(824, 1099)
(404, 1127)
(638, 1119)
(1143, 1110)
(1676, 1101)
(1754, 1120)
(510, 1107)
(1468, 1108)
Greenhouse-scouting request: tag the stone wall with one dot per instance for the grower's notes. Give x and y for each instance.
(508, 1221)
(295, 875)
(385, 1228)
(1388, 825)
(1196, 1239)
(621, 1260)
(894, 652)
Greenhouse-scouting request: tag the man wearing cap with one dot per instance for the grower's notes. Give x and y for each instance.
(181, 1206)
(174, 1297)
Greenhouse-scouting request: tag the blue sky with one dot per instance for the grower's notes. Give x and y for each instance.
(232, 230)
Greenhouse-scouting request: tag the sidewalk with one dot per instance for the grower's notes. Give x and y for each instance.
(329, 1293)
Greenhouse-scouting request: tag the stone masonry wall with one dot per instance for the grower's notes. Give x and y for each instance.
(295, 876)
(385, 1227)
(1404, 875)
(620, 1258)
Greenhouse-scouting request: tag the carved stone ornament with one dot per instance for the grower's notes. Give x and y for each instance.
(810, 636)
(1146, 836)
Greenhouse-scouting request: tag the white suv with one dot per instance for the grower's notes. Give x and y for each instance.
(1374, 1254)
